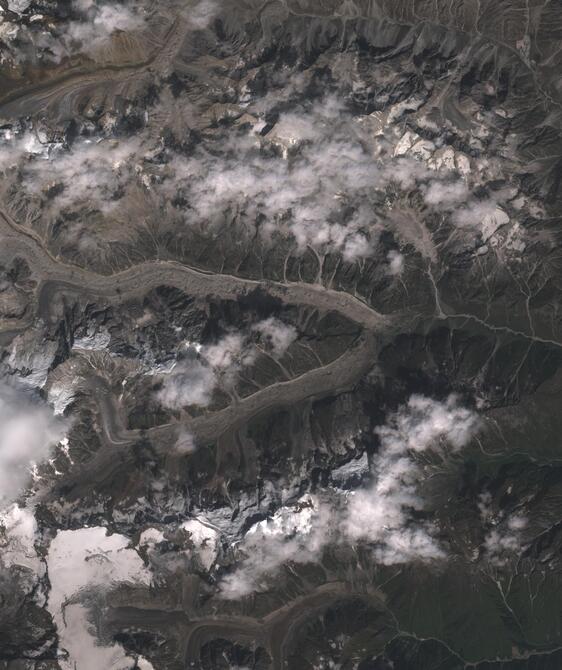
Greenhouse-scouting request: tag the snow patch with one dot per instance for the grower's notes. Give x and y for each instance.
(78, 561)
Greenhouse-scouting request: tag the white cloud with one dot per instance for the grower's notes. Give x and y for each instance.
(91, 172)
(423, 422)
(379, 515)
(395, 262)
(227, 353)
(484, 506)
(406, 172)
(14, 147)
(87, 31)
(228, 356)
(28, 431)
(296, 532)
(474, 212)
(320, 194)
(293, 128)
(88, 557)
(357, 246)
(321, 186)
(278, 335)
(503, 540)
(77, 638)
(201, 15)
(96, 24)
(193, 380)
(190, 383)
(445, 193)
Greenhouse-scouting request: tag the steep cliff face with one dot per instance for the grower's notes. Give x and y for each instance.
(280, 335)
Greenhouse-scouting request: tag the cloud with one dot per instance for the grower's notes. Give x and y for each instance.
(28, 431)
(386, 519)
(380, 515)
(87, 31)
(424, 422)
(91, 172)
(14, 147)
(94, 25)
(318, 187)
(395, 262)
(445, 193)
(201, 15)
(100, 21)
(278, 335)
(407, 173)
(296, 532)
(227, 357)
(357, 246)
(474, 212)
(193, 380)
(315, 177)
(228, 354)
(503, 540)
(190, 383)
(293, 128)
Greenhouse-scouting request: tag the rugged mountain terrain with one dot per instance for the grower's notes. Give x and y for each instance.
(280, 335)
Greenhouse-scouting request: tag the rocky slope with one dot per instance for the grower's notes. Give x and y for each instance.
(280, 335)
